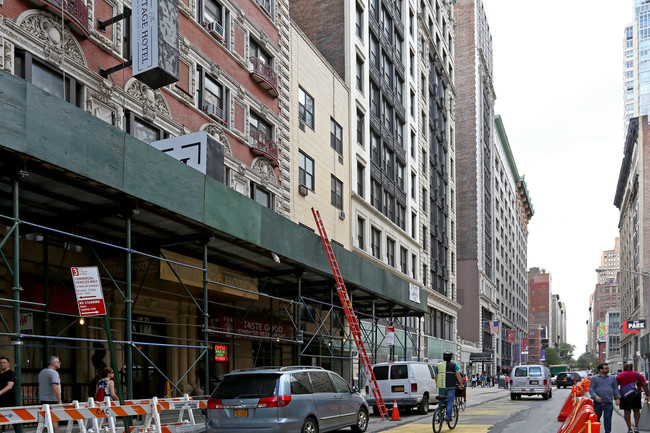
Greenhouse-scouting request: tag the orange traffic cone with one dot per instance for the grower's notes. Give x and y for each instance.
(395, 414)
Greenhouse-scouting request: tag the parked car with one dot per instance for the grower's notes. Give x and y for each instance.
(285, 400)
(567, 378)
(530, 380)
(411, 384)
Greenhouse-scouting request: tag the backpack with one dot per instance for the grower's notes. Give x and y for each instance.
(99, 394)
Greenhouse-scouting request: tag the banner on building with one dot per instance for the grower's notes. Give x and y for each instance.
(494, 327)
(524, 346)
(602, 332)
(542, 354)
(511, 336)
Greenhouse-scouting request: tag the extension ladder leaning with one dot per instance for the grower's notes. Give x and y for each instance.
(355, 330)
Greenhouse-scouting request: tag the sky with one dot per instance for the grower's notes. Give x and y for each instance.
(558, 80)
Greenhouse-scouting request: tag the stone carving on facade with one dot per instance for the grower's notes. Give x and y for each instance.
(262, 167)
(55, 43)
(240, 183)
(152, 101)
(215, 70)
(183, 44)
(216, 131)
(6, 55)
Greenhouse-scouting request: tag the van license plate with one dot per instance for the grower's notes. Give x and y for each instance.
(241, 412)
(534, 382)
(399, 388)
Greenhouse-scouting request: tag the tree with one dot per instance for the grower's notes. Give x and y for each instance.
(587, 361)
(552, 357)
(566, 353)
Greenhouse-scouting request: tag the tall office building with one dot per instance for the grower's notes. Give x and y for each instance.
(396, 58)
(539, 316)
(610, 263)
(493, 206)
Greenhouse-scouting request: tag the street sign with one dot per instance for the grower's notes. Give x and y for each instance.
(88, 288)
(390, 335)
(633, 326)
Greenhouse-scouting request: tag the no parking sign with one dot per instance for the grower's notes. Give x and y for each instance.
(88, 288)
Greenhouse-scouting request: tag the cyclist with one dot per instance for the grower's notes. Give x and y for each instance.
(460, 392)
(447, 375)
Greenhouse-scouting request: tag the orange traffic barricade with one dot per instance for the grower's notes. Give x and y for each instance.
(577, 420)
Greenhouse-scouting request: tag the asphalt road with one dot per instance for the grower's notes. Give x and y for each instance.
(491, 410)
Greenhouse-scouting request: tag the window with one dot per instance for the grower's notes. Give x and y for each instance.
(262, 196)
(387, 25)
(374, 149)
(390, 252)
(425, 271)
(361, 120)
(414, 226)
(47, 77)
(389, 163)
(259, 53)
(375, 195)
(414, 266)
(215, 18)
(403, 258)
(336, 136)
(259, 129)
(359, 75)
(306, 171)
(401, 217)
(400, 175)
(142, 129)
(359, 22)
(374, 52)
(212, 96)
(361, 230)
(375, 241)
(388, 115)
(305, 107)
(374, 100)
(361, 175)
(337, 193)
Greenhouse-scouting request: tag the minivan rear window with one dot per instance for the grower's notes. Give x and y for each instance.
(247, 386)
(521, 372)
(535, 371)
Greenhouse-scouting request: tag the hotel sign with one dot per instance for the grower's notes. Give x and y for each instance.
(226, 280)
(154, 44)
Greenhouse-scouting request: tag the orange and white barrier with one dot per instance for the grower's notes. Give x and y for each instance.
(99, 412)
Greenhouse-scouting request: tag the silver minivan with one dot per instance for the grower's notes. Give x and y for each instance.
(530, 380)
(297, 399)
(411, 384)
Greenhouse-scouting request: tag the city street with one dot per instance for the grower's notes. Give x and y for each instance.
(491, 409)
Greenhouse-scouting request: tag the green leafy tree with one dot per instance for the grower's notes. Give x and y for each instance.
(587, 361)
(552, 357)
(566, 353)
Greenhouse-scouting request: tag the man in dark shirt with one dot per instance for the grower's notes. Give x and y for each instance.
(7, 382)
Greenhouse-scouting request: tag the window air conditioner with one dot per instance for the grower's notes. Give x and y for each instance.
(215, 29)
(341, 215)
(302, 190)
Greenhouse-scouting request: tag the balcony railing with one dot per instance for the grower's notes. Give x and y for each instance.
(264, 145)
(265, 75)
(75, 11)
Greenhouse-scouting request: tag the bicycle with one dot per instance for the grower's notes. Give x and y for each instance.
(460, 402)
(441, 412)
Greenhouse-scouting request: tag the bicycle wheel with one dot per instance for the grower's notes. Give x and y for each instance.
(454, 418)
(462, 403)
(438, 419)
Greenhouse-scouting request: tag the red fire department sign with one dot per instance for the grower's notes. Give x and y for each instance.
(88, 288)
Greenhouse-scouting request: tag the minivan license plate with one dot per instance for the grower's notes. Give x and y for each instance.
(241, 412)
(399, 388)
(534, 382)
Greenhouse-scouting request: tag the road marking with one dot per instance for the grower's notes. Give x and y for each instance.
(422, 428)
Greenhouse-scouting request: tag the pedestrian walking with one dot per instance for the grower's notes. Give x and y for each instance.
(474, 380)
(49, 385)
(631, 383)
(604, 391)
(447, 376)
(106, 384)
(7, 383)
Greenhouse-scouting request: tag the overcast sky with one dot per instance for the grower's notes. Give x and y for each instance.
(559, 86)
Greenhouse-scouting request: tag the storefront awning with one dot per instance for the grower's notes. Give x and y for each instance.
(480, 357)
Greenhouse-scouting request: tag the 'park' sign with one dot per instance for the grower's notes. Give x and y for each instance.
(633, 326)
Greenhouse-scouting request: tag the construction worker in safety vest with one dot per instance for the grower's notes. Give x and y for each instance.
(447, 375)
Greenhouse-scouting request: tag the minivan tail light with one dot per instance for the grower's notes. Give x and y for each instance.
(280, 401)
(414, 387)
(215, 403)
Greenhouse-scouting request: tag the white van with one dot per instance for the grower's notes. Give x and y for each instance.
(411, 384)
(530, 380)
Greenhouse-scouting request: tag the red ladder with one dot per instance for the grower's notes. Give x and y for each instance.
(355, 330)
